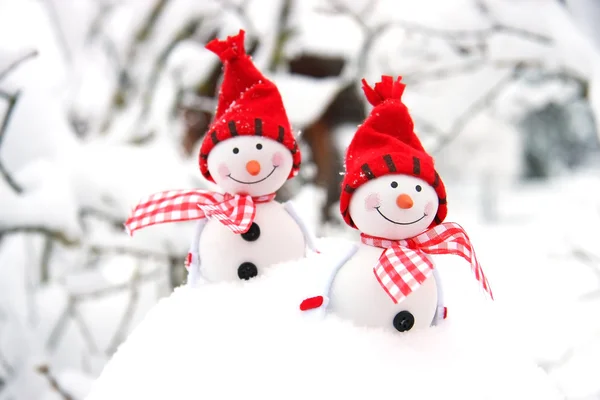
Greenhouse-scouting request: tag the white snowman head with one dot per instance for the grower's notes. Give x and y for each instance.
(249, 147)
(394, 206)
(252, 165)
(391, 189)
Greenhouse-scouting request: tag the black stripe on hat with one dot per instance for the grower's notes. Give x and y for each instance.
(349, 189)
(281, 134)
(213, 136)
(389, 162)
(206, 174)
(258, 127)
(295, 166)
(437, 220)
(443, 201)
(345, 212)
(204, 156)
(365, 168)
(295, 148)
(416, 166)
(436, 181)
(232, 128)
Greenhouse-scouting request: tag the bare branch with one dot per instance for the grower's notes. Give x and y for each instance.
(11, 99)
(45, 371)
(126, 319)
(60, 326)
(114, 221)
(473, 110)
(86, 333)
(593, 262)
(124, 250)
(58, 30)
(9, 179)
(54, 234)
(6, 365)
(476, 34)
(11, 67)
(110, 290)
(240, 11)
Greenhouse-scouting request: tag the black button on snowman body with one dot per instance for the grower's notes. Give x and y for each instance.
(252, 234)
(247, 269)
(403, 321)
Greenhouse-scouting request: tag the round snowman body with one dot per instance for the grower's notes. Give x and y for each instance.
(357, 295)
(273, 238)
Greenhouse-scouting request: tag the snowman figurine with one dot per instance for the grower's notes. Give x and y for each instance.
(392, 194)
(249, 152)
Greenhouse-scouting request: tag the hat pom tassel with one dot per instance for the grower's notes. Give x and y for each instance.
(384, 90)
(229, 49)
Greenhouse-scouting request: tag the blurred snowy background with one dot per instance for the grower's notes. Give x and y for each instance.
(104, 101)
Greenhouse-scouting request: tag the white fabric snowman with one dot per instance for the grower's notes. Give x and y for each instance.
(249, 151)
(394, 196)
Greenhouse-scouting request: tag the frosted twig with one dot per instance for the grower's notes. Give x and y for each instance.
(187, 31)
(12, 101)
(6, 365)
(240, 11)
(59, 32)
(124, 250)
(84, 329)
(107, 291)
(593, 262)
(12, 66)
(94, 212)
(59, 327)
(473, 110)
(54, 234)
(126, 319)
(9, 179)
(71, 312)
(338, 6)
(45, 371)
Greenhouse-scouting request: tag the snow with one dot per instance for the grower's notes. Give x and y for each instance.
(539, 252)
(52, 192)
(225, 341)
(305, 99)
(323, 34)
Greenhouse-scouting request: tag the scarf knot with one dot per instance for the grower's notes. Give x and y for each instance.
(235, 211)
(404, 266)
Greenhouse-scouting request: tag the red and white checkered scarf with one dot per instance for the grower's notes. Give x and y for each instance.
(234, 211)
(403, 266)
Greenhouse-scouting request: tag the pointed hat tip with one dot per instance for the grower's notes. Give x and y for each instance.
(230, 48)
(386, 89)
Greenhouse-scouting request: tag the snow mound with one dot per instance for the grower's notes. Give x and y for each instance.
(236, 340)
(306, 98)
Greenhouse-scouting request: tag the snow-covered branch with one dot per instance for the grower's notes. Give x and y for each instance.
(473, 110)
(53, 382)
(240, 10)
(15, 64)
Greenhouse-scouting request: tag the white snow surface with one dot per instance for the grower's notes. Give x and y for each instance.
(234, 340)
(305, 98)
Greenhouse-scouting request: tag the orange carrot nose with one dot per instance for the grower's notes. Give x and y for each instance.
(253, 167)
(404, 201)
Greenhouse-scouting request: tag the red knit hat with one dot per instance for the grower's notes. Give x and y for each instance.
(387, 144)
(249, 104)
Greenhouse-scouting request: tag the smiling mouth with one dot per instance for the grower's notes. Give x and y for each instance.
(400, 223)
(258, 181)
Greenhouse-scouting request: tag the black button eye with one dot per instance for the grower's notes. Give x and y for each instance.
(236, 150)
(259, 146)
(394, 184)
(418, 188)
